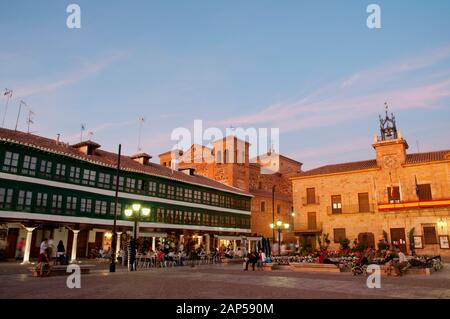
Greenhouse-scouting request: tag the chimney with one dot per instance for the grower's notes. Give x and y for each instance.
(141, 158)
(86, 147)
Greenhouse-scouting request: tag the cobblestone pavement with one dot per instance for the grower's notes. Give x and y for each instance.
(220, 281)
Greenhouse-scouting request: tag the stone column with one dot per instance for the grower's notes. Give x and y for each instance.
(74, 245)
(199, 240)
(153, 243)
(119, 234)
(235, 245)
(207, 239)
(249, 245)
(181, 239)
(26, 255)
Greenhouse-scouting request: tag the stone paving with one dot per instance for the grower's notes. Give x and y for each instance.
(219, 281)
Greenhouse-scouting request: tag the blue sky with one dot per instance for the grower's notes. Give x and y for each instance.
(311, 68)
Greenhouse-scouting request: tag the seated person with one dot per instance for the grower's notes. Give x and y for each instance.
(402, 263)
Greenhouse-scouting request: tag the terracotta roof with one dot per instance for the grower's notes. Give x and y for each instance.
(340, 168)
(104, 158)
(428, 157)
(414, 158)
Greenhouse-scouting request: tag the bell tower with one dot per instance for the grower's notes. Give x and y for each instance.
(390, 146)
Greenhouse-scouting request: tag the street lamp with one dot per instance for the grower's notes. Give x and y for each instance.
(442, 223)
(279, 226)
(137, 212)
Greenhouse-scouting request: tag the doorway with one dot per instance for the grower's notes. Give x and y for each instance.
(398, 238)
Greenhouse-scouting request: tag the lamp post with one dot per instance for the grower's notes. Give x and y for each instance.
(279, 226)
(136, 212)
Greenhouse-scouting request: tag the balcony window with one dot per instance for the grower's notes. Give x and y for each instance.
(24, 200)
(336, 204)
(11, 162)
(86, 205)
(41, 201)
(46, 167)
(312, 220)
(6, 197)
(393, 194)
(89, 177)
(60, 171)
(425, 192)
(311, 196)
(74, 175)
(29, 165)
(104, 180)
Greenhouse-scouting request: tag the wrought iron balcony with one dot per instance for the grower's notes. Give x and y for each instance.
(351, 209)
(310, 201)
(305, 228)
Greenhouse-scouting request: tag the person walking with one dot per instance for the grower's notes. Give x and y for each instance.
(20, 248)
(261, 259)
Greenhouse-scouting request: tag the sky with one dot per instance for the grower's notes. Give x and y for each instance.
(313, 69)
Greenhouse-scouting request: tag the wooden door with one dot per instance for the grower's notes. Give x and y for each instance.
(82, 243)
(398, 238)
(312, 222)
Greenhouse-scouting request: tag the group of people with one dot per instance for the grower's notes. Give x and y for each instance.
(44, 265)
(255, 258)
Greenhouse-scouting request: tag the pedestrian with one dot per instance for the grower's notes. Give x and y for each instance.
(261, 259)
(61, 253)
(132, 255)
(20, 248)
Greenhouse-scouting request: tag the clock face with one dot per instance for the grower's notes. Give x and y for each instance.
(390, 161)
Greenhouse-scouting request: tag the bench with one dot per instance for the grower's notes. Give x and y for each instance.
(60, 270)
(314, 267)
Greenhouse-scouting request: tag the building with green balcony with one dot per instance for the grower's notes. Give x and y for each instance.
(50, 189)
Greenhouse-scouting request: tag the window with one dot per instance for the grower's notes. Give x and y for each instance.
(71, 203)
(227, 201)
(429, 235)
(46, 167)
(24, 200)
(86, 205)
(338, 235)
(104, 180)
(263, 207)
(41, 201)
(100, 207)
(29, 165)
(89, 177)
(113, 207)
(424, 192)
(56, 203)
(215, 199)
(188, 195)
(311, 195)
(130, 184)
(393, 194)
(6, 197)
(60, 171)
(162, 189)
(74, 175)
(206, 198)
(179, 193)
(11, 162)
(363, 201)
(140, 185)
(152, 188)
(197, 196)
(170, 191)
(121, 182)
(336, 204)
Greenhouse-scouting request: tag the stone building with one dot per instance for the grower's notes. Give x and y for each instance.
(399, 197)
(228, 162)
